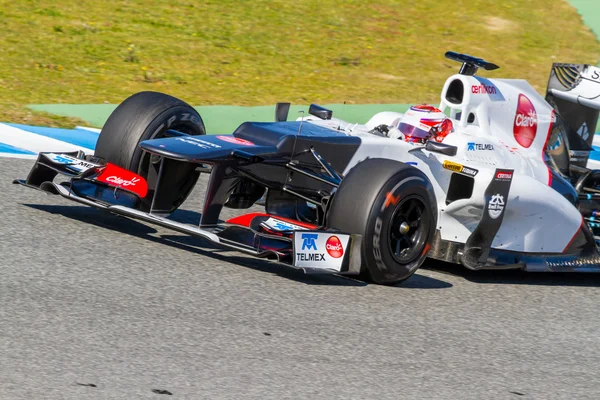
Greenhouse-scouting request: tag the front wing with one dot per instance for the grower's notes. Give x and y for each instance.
(292, 243)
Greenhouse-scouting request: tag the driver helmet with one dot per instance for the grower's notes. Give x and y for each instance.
(422, 123)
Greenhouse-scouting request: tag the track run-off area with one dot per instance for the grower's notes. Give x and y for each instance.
(99, 306)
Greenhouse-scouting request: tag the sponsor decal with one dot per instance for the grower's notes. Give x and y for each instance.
(122, 182)
(556, 144)
(232, 139)
(469, 171)
(308, 241)
(282, 226)
(199, 143)
(204, 142)
(526, 122)
(589, 72)
(334, 247)
(583, 131)
(472, 146)
(504, 175)
(391, 199)
(71, 162)
(116, 176)
(496, 206)
(320, 250)
(452, 166)
(317, 257)
(483, 89)
(184, 140)
(61, 158)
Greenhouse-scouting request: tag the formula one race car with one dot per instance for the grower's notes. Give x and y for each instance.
(494, 177)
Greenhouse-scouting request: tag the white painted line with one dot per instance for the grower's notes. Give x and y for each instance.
(86, 128)
(24, 156)
(36, 143)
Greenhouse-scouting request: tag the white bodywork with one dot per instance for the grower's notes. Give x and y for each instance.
(492, 115)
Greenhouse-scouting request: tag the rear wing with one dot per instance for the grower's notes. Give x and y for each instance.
(574, 92)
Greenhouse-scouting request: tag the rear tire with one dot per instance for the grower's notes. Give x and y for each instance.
(392, 205)
(143, 116)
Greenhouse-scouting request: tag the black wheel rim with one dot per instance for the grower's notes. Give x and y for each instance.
(409, 229)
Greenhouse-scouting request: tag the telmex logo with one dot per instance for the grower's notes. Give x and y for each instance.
(483, 89)
(309, 241)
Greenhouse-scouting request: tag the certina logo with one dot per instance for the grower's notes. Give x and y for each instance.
(308, 241)
(472, 146)
(334, 247)
(483, 89)
(504, 175)
(122, 182)
(496, 206)
(526, 121)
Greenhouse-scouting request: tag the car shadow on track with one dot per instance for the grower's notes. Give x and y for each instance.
(202, 247)
(515, 277)
(417, 281)
(205, 248)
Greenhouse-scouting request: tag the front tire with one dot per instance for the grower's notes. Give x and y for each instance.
(143, 116)
(392, 205)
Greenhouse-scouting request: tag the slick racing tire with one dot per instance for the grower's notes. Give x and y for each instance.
(392, 205)
(143, 116)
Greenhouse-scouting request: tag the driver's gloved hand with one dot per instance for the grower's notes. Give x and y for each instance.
(382, 129)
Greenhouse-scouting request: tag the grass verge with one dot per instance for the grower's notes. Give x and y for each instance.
(258, 52)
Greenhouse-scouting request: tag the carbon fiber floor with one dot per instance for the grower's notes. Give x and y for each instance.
(113, 308)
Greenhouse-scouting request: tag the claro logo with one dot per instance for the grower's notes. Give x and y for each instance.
(122, 182)
(483, 89)
(119, 177)
(526, 121)
(334, 247)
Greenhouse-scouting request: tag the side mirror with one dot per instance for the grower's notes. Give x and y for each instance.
(281, 112)
(320, 112)
(441, 148)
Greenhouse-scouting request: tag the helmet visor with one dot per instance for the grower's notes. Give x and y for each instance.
(412, 131)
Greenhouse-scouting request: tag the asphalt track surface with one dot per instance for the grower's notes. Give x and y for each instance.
(97, 306)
